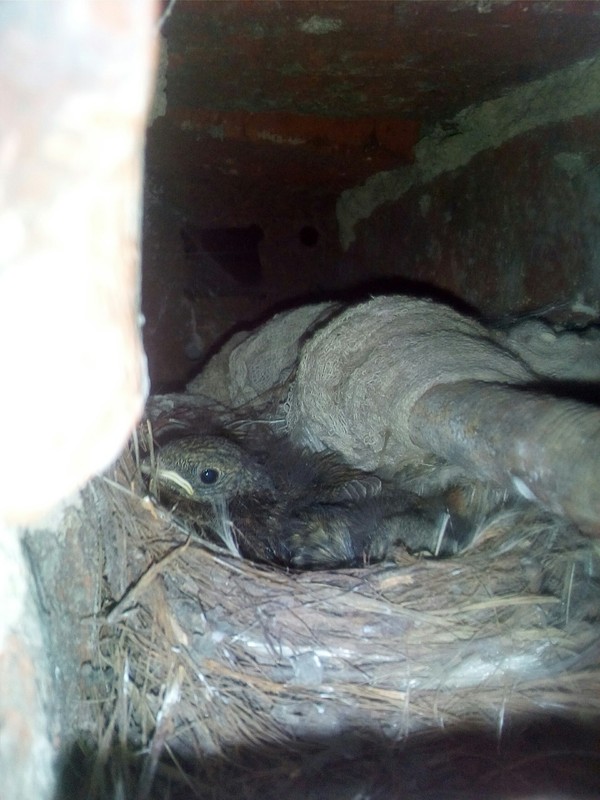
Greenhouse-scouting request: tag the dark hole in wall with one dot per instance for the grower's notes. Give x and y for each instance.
(224, 260)
(309, 236)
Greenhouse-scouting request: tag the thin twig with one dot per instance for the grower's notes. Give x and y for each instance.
(129, 599)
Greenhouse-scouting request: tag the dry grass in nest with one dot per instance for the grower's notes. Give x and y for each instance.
(214, 656)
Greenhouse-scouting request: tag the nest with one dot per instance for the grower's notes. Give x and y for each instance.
(211, 676)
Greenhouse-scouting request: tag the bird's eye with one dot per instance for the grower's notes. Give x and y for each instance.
(209, 476)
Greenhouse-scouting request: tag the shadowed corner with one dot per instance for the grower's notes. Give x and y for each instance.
(531, 757)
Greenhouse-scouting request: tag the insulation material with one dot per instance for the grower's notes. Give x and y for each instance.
(254, 365)
(360, 376)
(262, 361)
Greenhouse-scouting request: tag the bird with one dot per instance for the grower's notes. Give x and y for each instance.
(291, 507)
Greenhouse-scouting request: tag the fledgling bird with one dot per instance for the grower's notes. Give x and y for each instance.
(294, 508)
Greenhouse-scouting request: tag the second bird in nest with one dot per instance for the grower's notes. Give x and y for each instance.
(293, 508)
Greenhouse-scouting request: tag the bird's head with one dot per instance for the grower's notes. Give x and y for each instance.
(207, 468)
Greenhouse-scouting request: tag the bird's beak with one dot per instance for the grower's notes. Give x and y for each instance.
(168, 476)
